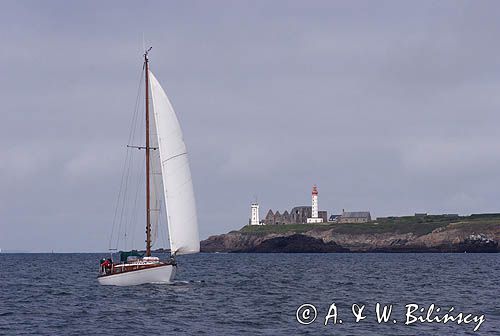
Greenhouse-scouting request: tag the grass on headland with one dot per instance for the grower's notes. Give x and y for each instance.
(414, 224)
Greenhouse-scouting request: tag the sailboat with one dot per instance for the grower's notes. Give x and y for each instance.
(163, 134)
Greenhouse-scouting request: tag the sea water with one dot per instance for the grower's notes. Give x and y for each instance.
(256, 294)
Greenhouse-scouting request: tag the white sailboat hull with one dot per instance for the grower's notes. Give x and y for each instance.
(160, 274)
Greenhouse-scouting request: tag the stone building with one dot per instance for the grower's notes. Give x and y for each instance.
(324, 215)
(275, 218)
(298, 215)
(278, 220)
(355, 217)
(285, 218)
(269, 220)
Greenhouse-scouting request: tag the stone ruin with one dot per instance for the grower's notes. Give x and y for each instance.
(298, 215)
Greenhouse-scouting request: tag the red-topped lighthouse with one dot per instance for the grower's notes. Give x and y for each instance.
(314, 209)
(315, 190)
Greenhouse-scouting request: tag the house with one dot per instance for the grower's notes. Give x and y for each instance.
(355, 217)
(334, 218)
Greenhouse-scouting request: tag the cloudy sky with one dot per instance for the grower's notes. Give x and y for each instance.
(388, 106)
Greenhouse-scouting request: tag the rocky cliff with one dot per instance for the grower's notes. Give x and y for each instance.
(436, 235)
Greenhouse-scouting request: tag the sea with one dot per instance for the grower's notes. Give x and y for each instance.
(257, 294)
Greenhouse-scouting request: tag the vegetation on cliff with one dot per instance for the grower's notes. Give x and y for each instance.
(418, 225)
(436, 233)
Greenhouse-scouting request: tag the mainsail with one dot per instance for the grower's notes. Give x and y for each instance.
(156, 187)
(177, 183)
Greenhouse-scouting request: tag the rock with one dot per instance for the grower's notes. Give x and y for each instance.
(455, 237)
(296, 243)
(477, 243)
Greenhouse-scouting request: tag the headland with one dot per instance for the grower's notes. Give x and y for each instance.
(419, 233)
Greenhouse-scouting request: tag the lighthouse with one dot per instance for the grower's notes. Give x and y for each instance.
(254, 219)
(314, 208)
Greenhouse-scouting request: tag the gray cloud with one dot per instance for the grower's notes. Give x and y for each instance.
(388, 106)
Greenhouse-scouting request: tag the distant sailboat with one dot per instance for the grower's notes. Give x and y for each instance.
(170, 169)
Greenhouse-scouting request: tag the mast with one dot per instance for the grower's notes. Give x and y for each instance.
(148, 202)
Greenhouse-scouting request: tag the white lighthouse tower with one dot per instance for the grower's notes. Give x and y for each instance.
(254, 219)
(314, 213)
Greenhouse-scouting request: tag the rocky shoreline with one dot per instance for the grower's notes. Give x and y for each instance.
(459, 236)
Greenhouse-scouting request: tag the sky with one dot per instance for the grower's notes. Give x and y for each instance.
(388, 106)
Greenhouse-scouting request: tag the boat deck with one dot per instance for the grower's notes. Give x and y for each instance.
(135, 266)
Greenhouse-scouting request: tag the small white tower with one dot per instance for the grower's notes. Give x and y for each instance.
(254, 219)
(314, 209)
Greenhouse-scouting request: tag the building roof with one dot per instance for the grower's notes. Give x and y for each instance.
(356, 214)
(302, 207)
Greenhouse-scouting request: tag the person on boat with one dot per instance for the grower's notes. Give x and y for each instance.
(101, 262)
(106, 265)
